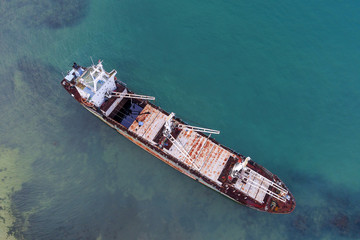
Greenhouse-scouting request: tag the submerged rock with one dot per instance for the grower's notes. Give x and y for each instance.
(36, 74)
(43, 13)
(62, 13)
(341, 222)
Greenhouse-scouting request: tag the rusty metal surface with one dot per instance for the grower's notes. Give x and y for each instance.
(216, 162)
(197, 146)
(185, 139)
(146, 119)
(204, 153)
(152, 123)
(155, 127)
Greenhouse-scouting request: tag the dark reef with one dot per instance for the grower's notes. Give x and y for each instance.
(338, 215)
(59, 13)
(41, 77)
(52, 14)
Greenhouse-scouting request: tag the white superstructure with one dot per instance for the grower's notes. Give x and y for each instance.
(94, 83)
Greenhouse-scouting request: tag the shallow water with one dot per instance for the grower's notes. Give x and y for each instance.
(280, 80)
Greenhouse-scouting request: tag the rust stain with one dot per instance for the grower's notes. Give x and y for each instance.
(155, 126)
(152, 120)
(204, 153)
(197, 146)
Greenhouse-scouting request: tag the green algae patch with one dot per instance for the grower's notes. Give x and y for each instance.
(13, 173)
(28, 135)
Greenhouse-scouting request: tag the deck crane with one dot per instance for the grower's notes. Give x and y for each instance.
(129, 95)
(239, 166)
(197, 129)
(169, 126)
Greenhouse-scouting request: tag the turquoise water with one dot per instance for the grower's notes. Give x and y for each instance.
(280, 80)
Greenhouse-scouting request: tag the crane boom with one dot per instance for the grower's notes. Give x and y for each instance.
(198, 129)
(167, 133)
(182, 150)
(130, 95)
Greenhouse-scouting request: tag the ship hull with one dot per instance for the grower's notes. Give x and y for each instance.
(256, 188)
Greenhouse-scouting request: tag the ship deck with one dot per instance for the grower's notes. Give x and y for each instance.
(193, 153)
(205, 155)
(208, 157)
(148, 123)
(257, 189)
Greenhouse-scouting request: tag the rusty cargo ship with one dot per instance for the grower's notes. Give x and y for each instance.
(189, 149)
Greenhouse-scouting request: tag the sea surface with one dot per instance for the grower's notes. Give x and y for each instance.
(281, 80)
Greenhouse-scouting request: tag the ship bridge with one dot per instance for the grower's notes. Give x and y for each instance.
(95, 83)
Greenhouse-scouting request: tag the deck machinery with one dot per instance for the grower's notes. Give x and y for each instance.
(189, 149)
